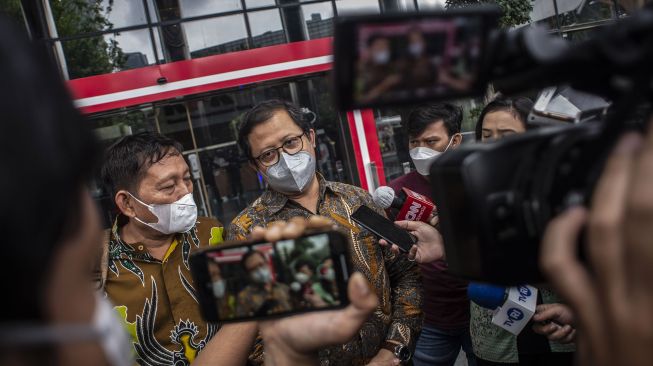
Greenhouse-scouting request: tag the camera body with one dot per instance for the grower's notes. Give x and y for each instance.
(495, 200)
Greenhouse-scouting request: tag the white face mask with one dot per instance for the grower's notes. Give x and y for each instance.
(329, 275)
(176, 217)
(416, 48)
(292, 173)
(301, 277)
(381, 57)
(219, 288)
(261, 275)
(105, 327)
(423, 157)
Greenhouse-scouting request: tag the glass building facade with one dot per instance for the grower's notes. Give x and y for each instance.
(99, 44)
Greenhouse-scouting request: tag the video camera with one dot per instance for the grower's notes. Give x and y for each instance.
(496, 199)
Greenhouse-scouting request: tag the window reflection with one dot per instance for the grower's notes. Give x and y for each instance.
(74, 17)
(317, 20)
(193, 8)
(579, 12)
(173, 122)
(266, 28)
(216, 35)
(108, 53)
(361, 6)
(258, 3)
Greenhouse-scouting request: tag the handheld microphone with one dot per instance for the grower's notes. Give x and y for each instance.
(513, 307)
(412, 206)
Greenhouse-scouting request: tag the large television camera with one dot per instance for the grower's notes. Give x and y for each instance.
(495, 199)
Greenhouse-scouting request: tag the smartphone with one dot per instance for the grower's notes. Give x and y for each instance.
(242, 281)
(405, 58)
(383, 228)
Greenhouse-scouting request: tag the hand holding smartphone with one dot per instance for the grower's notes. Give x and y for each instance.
(383, 228)
(243, 281)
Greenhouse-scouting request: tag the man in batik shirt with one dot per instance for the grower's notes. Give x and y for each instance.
(145, 269)
(263, 295)
(280, 144)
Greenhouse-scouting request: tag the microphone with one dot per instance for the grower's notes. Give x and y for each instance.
(412, 206)
(513, 307)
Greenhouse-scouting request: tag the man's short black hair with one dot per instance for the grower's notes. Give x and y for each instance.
(421, 117)
(519, 107)
(303, 262)
(261, 113)
(127, 160)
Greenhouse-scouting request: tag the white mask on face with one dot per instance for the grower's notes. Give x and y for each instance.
(292, 173)
(176, 217)
(423, 157)
(381, 57)
(105, 328)
(301, 277)
(115, 342)
(219, 289)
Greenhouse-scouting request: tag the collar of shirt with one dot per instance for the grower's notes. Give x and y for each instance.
(136, 251)
(275, 201)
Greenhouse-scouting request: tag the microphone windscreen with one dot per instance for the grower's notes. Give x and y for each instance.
(383, 196)
(486, 295)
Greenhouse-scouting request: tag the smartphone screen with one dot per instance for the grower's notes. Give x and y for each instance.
(248, 281)
(381, 59)
(384, 228)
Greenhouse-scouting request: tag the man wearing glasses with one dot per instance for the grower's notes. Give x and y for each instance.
(280, 144)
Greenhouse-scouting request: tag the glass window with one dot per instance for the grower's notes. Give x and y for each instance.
(193, 8)
(12, 9)
(361, 6)
(172, 121)
(216, 35)
(108, 53)
(266, 28)
(578, 12)
(74, 17)
(430, 4)
(258, 3)
(318, 19)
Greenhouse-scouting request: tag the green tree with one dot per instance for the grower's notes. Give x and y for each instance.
(515, 12)
(92, 55)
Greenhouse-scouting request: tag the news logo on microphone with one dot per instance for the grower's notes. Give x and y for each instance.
(517, 310)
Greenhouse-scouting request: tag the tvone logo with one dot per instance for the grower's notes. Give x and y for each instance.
(514, 315)
(524, 292)
(413, 211)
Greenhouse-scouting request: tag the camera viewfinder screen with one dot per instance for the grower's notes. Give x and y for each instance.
(420, 58)
(289, 276)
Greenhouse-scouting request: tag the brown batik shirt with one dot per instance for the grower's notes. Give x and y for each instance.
(156, 298)
(395, 280)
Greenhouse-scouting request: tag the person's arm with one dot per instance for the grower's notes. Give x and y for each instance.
(230, 346)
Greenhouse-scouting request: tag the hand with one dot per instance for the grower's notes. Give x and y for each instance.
(555, 322)
(429, 246)
(295, 340)
(384, 358)
(613, 301)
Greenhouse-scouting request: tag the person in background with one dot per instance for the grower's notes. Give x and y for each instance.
(280, 144)
(225, 300)
(501, 118)
(263, 295)
(433, 129)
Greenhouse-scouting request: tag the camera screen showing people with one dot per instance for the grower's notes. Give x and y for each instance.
(272, 279)
(381, 59)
